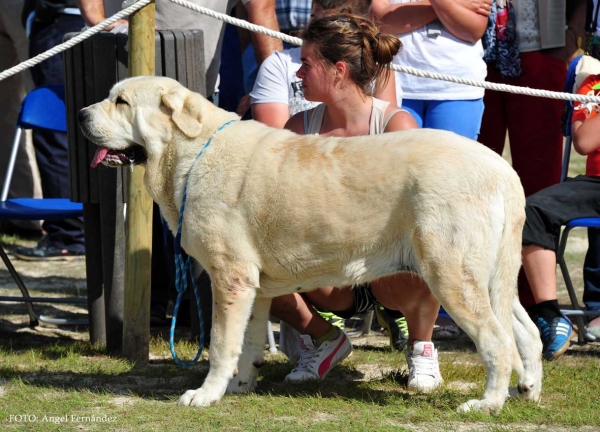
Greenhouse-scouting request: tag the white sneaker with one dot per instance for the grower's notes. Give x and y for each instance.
(316, 362)
(423, 367)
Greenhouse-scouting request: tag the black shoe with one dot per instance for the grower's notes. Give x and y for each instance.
(45, 251)
(158, 315)
(396, 328)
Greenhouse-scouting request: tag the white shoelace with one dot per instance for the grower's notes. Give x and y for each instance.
(307, 358)
(423, 366)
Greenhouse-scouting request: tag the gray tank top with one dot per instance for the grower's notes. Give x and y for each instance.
(313, 118)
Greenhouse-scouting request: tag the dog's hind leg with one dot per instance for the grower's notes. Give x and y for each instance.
(529, 346)
(233, 297)
(251, 359)
(459, 280)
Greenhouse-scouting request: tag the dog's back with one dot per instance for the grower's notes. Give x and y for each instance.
(317, 204)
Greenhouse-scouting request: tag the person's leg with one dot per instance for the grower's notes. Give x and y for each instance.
(294, 310)
(52, 147)
(534, 124)
(416, 108)
(322, 345)
(410, 294)
(162, 278)
(536, 140)
(591, 279)
(540, 267)
(459, 116)
(493, 123)
(546, 211)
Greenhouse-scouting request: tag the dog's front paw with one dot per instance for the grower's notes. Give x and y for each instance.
(478, 405)
(238, 385)
(198, 398)
(530, 392)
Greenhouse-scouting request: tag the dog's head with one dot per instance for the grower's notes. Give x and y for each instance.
(139, 117)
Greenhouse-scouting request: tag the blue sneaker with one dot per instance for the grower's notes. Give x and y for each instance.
(556, 336)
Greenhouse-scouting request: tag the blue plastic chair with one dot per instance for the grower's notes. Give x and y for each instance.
(42, 108)
(577, 312)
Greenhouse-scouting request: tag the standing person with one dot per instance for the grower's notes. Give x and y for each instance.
(342, 56)
(544, 49)
(445, 37)
(541, 63)
(49, 22)
(172, 16)
(549, 209)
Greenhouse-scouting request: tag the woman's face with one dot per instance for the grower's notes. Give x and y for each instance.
(316, 79)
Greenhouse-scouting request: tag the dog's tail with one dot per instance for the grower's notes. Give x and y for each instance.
(503, 281)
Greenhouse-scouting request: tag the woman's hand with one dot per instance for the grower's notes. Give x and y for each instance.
(460, 18)
(481, 7)
(401, 18)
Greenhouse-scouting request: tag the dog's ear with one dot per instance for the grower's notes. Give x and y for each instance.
(185, 109)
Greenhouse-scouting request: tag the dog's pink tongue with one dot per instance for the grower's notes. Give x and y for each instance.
(99, 156)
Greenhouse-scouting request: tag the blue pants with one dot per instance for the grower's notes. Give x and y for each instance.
(51, 148)
(460, 116)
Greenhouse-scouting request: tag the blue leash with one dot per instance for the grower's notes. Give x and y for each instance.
(183, 269)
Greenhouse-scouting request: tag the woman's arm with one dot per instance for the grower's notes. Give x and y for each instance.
(296, 123)
(262, 12)
(465, 19)
(402, 120)
(586, 135)
(402, 18)
(272, 114)
(92, 12)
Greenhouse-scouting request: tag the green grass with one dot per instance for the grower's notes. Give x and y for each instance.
(74, 378)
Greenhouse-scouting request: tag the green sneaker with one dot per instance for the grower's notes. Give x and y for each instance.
(332, 318)
(396, 328)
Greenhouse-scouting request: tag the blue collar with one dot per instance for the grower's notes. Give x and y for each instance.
(180, 219)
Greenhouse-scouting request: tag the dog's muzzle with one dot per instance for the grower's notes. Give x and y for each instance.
(133, 155)
(130, 156)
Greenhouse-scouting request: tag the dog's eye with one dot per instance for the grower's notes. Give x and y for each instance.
(120, 101)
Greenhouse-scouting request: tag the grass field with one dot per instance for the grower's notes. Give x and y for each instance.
(55, 380)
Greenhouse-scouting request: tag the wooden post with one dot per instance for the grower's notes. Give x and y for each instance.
(138, 242)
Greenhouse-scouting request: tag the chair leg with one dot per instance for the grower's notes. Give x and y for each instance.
(560, 258)
(33, 318)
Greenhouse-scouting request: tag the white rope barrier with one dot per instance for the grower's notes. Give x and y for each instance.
(499, 87)
(294, 41)
(405, 69)
(74, 41)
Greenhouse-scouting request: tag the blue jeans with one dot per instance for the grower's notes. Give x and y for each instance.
(460, 116)
(591, 271)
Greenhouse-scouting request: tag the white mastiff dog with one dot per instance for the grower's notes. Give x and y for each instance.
(270, 212)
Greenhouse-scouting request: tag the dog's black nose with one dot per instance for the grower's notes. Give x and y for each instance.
(82, 114)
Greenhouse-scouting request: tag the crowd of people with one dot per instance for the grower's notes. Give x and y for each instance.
(339, 84)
